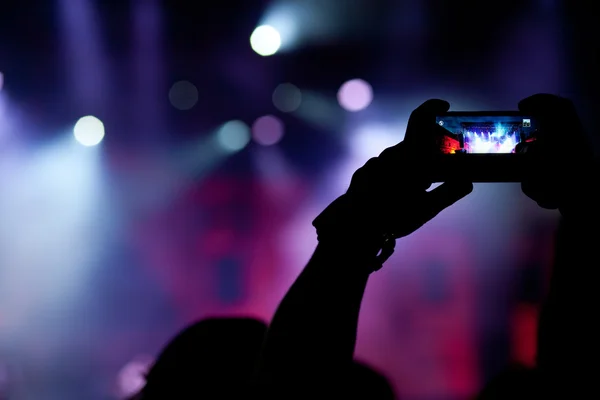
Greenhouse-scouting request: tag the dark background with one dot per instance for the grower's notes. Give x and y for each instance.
(230, 239)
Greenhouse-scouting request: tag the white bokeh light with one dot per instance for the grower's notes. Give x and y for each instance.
(366, 141)
(370, 140)
(89, 131)
(233, 136)
(265, 40)
(355, 95)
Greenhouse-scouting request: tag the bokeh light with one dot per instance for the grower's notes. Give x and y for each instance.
(267, 130)
(265, 40)
(287, 97)
(89, 131)
(355, 95)
(183, 95)
(132, 377)
(233, 135)
(371, 139)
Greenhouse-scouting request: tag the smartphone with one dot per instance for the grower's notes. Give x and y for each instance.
(483, 146)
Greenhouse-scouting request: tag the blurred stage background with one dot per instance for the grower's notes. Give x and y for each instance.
(218, 152)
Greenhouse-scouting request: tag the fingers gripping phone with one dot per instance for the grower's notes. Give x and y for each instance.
(483, 146)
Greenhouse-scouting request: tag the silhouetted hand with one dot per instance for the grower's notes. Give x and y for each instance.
(563, 157)
(388, 198)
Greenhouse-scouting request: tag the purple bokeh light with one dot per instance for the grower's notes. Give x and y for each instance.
(132, 377)
(267, 130)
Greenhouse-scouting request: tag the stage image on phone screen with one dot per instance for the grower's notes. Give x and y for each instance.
(485, 134)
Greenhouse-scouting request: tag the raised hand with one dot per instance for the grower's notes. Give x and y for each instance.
(563, 170)
(388, 198)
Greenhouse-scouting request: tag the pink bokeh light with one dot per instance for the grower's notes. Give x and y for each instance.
(267, 130)
(355, 95)
(132, 377)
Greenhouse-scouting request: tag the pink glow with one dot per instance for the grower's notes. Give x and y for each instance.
(267, 130)
(355, 95)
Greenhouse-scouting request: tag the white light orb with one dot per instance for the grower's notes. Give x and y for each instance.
(89, 131)
(265, 40)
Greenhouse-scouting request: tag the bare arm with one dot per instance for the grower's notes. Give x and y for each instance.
(313, 333)
(312, 336)
(569, 334)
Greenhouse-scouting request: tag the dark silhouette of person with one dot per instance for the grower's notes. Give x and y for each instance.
(564, 176)
(309, 349)
(567, 179)
(310, 342)
(211, 359)
(515, 382)
(364, 382)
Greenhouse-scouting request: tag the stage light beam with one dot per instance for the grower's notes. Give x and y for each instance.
(89, 131)
(265, 40)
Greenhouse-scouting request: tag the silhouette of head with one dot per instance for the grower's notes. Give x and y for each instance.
(354, 381)
(517, 382)
(365, 382)
(213, 358)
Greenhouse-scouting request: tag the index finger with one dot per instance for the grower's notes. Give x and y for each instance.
(420, 130)
(556, 115)
(544, 103)
(421, 123)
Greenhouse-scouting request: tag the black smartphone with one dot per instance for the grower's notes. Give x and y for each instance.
(483, 146)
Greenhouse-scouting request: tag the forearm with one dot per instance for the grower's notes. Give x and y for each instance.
(314, 328)
(568, 330)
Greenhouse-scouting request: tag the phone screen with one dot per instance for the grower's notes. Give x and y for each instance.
(484, 133)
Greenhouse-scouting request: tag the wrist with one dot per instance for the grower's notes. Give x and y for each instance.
(349, 258)
(581, 205)
(352, 249)
(580, 196)
(345, 221)
(346, 229)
